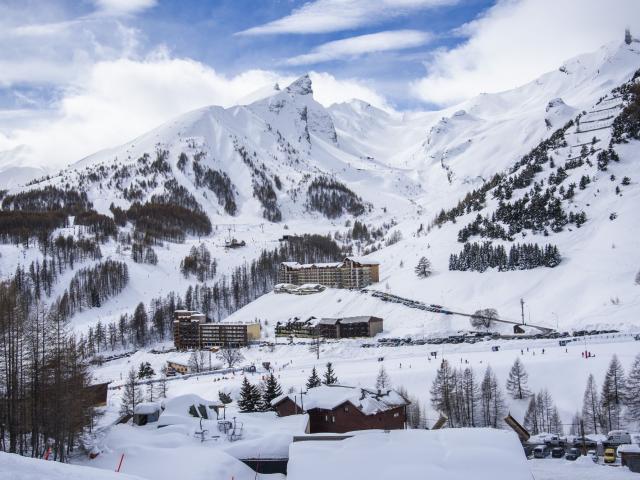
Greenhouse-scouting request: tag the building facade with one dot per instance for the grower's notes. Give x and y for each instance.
(341, 409)
(351, 273)
(344, 327)
(350, 327)
(192, 331)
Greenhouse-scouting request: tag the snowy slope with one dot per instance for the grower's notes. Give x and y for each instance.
(407, 167)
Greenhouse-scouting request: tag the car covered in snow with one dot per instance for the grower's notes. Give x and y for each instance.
(618, 437)
(573, 454)
(541, 451)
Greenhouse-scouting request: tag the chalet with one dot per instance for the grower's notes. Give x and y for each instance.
(176, 366)
(192, 330)
(350, 327)
(350, 273)
(339, 408)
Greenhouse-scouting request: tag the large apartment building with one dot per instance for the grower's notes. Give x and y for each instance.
(191, 330)
(343, 327)
(352, 272)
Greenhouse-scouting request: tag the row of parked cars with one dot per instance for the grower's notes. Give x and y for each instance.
(573, 453)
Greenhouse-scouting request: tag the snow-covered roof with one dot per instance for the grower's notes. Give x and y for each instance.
(284, 285)
(179, 406)
(629, 448)
(310, 286)
(328, 321)
(328, 397)
(447, 454)
(363, 261)
(356, 319)
(300, 266)
(146, 408)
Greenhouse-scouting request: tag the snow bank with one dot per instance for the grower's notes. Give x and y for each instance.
(165, 454)
(15, 467)
(450, 454)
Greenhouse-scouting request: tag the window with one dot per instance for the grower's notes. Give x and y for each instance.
(333, 419)
(326, 418)
(346, 409)
(395, 415)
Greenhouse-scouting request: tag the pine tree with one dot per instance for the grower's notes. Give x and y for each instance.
(383, 382)
(632, 391)
(145, 370)
(531, 422)
(517, 381)
(611, 396)
(575, 424)
(470, 392)
(423, 269)
(442, 391)
(250, 397)
(591, 407)
(329, 375)
(555, 423)
(139, 324)
(270, 390)
(163, 385)
(224, 397)
(491, 400)
(131, 395)
(314, 379)
(153, 392)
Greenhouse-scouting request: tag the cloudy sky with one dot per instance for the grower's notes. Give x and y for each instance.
(78, 76)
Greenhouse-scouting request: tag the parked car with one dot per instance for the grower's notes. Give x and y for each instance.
(541, 451)
(594, 455)
(573, 454)
(590, 444)
(552, 440)
(618, 437)
(557, 452)
(610, 455)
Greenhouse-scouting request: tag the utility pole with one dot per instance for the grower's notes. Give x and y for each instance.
(522, 309)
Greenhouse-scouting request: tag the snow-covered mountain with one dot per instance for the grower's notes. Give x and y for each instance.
(286, 164)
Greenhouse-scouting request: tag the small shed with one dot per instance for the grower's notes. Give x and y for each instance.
(518, 330)
(630, 456)
(146, 412)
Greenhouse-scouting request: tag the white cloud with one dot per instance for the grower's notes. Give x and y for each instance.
(58, 52)
(518, 40)
(322, 16)
(121, 99)
(328, 90)
(356, 46)
(124, 7)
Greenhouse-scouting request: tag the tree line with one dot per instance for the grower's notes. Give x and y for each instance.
(44, 403)
(479, 257)
(333, 199)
